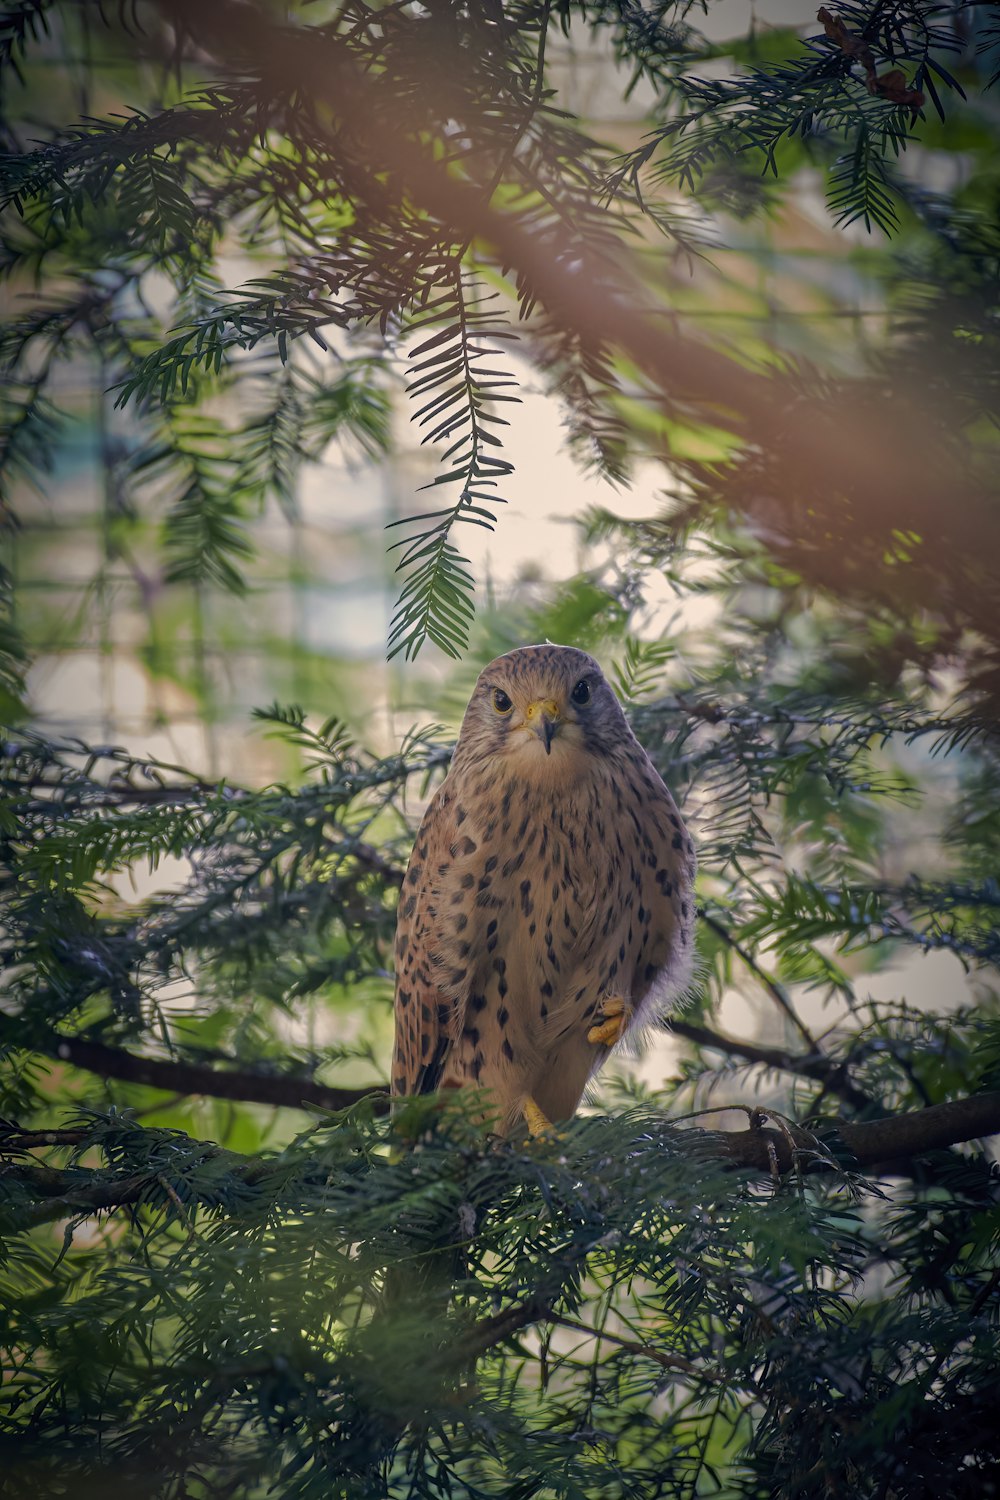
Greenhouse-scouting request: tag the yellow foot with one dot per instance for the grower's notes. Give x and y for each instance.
(610, 1023)
(537, 1123)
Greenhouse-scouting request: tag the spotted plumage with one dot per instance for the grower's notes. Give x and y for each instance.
(548, 905)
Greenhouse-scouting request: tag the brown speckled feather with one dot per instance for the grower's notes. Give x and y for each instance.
(551, 876)
(430, 990)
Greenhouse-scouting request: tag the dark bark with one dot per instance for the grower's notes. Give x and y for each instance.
(872, 1143)
(183, 1077)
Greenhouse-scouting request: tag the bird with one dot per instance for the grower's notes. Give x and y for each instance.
(547, 911)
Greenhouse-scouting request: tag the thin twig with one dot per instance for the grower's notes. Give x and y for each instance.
(831, 1074)
(774, 989)
(182, 1212)
(14, 1139)
(632, 1346)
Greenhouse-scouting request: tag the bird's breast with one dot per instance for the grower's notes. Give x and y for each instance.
(545, 915)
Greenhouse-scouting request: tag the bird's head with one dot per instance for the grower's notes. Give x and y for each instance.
(539, 708)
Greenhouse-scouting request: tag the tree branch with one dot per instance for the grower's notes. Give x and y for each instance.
(816, 1065)
(601, 295)
(633, 1346)
(180, 1077)
(771, 985)
(490, 1331)
(872, 1143)
(13, 1139)
(63, 1195)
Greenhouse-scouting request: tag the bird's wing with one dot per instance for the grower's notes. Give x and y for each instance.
(663, 956)
(431, 987)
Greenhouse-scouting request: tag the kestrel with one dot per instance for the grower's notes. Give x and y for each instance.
(548, 905)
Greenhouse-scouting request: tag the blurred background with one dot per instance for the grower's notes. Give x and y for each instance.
(119, 650)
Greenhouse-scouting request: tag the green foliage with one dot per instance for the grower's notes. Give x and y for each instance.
(111, 210)
(820, 95)
(640, 671)
(665, 1306)
(641, 1321)
(456, 392)
(207, 1291)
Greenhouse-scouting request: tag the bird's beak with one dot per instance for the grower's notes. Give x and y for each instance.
(545, 720)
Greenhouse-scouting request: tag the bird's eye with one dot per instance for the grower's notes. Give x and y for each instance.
(581, 693)
(501, 702)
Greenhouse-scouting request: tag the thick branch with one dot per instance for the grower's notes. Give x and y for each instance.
(489, 1332)
(872, 1143)
(68, 1195)
(11, 1138)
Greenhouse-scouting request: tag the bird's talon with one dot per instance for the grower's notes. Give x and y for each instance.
(537, 1122)
(610, 1023)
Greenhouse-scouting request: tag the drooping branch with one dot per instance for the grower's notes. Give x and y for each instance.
(591, 293)
(294, 1091)
(771, 985)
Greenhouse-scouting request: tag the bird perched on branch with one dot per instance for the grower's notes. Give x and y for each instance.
(548, 905)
